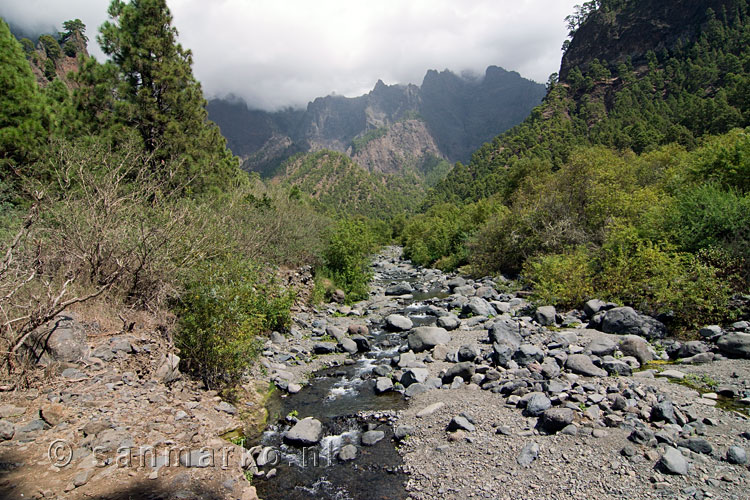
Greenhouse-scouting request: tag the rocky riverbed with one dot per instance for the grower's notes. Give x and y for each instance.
(437, 386)
(498, 399)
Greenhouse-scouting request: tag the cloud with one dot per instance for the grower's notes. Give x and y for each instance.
(279, 53)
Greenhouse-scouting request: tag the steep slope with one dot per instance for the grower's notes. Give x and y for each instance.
(458, 115)
(677, 71)
(339, 185)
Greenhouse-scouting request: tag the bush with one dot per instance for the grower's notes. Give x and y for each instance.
(565, 280)
(223, 312)
(655, 279)
(345, 257)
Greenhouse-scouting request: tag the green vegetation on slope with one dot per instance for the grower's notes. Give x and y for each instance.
(627, 183)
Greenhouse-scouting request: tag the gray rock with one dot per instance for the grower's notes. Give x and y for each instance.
(528, 454)
(414, 376)
(403, 431)
(465, 290)
(465, 370)
(306, 432)
(415, 389)
(468, 352)
(626, 321)
(363, 345)
(383, 384)
(582, 365)
(460, 423)
(537, 404)
(735, 344)
(398, 323)
(593, 306)
(479, 307)
(382, 370)
(168, 370)
(82, 477)
(424, 338)
(550, 368)
(449, 322)
(370, 438)
(672, 462)
(637, 347)
(348, 345)
(226, 408)
(663, 411)
(277, 338)
(347, 453)
(7, 430)
(691, 348)
(736, 455)
(556, 419)
(336, 333)
(528, 353)
(399, 289)
(324, 347)
(502, 353)
(456, 282)
(710, 331)
(103, 352)
(61, 340)
(545, 315)
(616, 367)
(601, 346)
(697, 445)
(406, 360)
(506, 330)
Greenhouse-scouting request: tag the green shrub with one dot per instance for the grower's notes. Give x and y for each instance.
(223, 312)
(655, 279)
(345, 257)
(565, 280)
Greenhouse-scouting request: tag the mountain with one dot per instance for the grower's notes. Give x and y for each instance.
(389, 129)
(637, 74)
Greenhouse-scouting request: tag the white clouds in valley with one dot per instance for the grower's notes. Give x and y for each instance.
(277, 53)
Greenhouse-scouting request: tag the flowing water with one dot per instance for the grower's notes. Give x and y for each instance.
(344, 400)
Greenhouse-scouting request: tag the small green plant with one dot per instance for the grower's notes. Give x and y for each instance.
(239, 441)
(292, 414)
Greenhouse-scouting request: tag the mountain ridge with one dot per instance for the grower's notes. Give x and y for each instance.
(459, 114)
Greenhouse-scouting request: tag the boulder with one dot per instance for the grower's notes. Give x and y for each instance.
(62, 340)
(399, 289)
(460, 423)
(616, 367)
(593, 306)
(735, 344)
(324, 347)
(582, 365)
(545, 315)
(424, 338)
(168, 370)
(537, 404)
(626, 321)
(635, 346)
(414, 376)
(736, 455)
(672, 462)
(528, 353)
(383, 384)
(502, 353)
(556, 419)
(306, 432)
(449, 322)
(348, 345)
(398, 323)
(506, 330)
(370, 438)
(477, 306)
(465, 370)
(602, 346)
(347, 452)
(528, 454)
(363, 345)
(468, 352)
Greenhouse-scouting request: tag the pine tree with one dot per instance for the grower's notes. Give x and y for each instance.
(22, 116)
(159, 96)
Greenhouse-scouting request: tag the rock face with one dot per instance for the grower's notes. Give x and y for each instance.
(735, 344)
(626, 321)
(306, 432)
(61, 340)
(456, 116)
(424, 338)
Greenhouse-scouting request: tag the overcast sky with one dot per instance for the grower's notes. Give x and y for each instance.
(277, 53)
